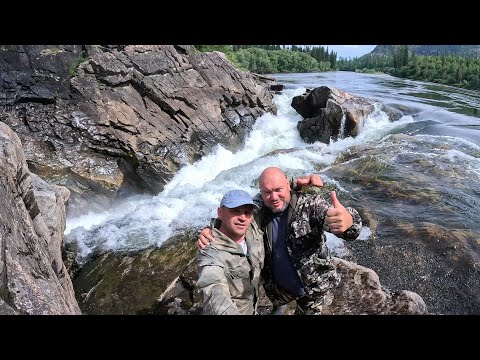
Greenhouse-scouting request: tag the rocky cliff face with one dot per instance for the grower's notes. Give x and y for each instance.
(33, 278)
(101, 120)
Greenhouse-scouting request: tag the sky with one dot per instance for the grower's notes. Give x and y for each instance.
(352, 51)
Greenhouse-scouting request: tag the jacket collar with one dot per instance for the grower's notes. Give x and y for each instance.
(224, 243)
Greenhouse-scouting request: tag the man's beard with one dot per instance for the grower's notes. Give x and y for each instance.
(279, 210)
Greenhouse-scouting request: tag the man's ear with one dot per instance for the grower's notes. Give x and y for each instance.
(219, 213)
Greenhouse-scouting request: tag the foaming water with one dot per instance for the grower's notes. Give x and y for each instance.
(193, 195)
(191, 198)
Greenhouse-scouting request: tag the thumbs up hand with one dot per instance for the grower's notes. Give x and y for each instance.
(338, 218)
(334, 200)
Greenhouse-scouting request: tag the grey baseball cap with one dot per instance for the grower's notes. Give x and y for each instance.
(236, 198)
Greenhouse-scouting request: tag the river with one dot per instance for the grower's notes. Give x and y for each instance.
(415, 181)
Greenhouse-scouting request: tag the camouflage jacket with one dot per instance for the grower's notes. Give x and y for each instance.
(228, 279)
(305, 244)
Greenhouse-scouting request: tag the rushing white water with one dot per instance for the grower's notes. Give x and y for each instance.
(191, 198)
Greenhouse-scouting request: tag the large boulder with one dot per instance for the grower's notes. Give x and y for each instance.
(360, 293)
(330, 113)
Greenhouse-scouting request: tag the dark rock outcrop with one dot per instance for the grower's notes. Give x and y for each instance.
(330, 114)
(33, 278)
(151, 281)
(103, 120)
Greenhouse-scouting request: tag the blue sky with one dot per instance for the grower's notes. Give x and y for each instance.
(350, 50)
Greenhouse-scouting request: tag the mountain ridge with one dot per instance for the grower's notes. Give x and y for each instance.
(460, 50)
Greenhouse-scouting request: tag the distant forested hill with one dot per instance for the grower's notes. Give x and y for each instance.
(461, 50)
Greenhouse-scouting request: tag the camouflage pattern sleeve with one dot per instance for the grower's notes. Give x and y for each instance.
(313, 207)
(293, 184)
(353, 231)
(316, 207)
(257, 199)
(213, 286)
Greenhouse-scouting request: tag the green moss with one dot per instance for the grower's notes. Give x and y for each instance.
(132, 282)
(74, 67)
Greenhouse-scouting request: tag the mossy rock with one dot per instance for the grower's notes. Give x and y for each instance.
(134, 282)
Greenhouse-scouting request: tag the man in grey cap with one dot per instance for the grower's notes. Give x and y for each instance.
(229, 268)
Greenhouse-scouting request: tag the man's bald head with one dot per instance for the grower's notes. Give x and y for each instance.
(271, 172)
(275, 189)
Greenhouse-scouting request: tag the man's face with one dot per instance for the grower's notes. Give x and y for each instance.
(235, 221)
(275, 190)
